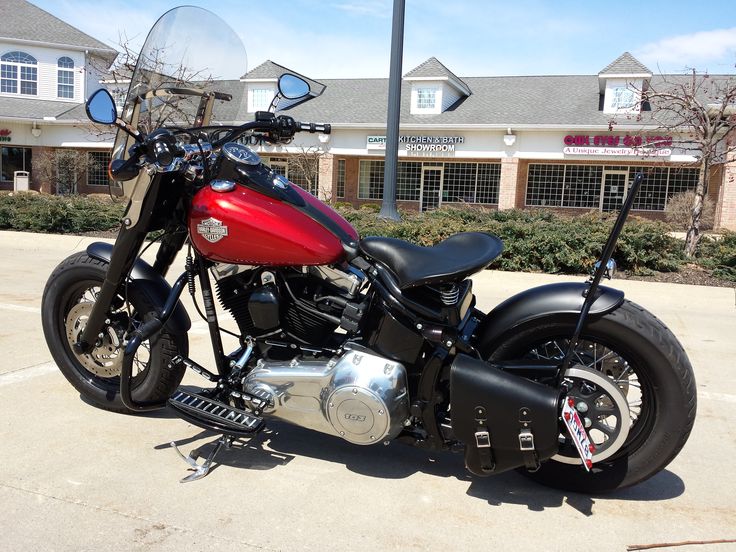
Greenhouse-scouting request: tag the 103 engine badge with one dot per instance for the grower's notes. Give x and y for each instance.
(212, 230)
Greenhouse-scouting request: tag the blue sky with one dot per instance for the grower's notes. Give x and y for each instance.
(351, 38)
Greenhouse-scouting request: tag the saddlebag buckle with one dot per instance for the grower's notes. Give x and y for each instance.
(528, 450)
(482, 439)
(526, 440)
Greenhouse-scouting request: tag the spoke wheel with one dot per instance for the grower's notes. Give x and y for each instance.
(635, 381)
(68, 299)
(607, 390)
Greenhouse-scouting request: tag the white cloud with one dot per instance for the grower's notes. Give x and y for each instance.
(692, 50)
(370, 8)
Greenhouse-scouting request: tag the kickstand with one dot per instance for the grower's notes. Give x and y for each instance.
(200, 470)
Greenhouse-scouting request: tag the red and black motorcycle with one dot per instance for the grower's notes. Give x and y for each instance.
(371, 339)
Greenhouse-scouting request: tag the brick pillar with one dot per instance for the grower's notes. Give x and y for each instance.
(327, 172)
(726, 209)
(507, 186)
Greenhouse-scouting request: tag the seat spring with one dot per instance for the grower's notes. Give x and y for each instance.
(450, 293)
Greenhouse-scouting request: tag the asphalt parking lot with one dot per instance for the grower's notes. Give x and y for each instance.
(76, 478)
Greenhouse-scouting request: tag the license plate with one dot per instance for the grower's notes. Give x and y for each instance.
(576, 428)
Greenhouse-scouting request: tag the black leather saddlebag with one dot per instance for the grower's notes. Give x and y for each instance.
(504, 420)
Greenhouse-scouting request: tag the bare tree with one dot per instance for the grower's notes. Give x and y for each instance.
(154, 71)
(60, 171)
(699, 111)
(304, 171)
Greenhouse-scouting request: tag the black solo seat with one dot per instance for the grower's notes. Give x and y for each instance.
(454, 258)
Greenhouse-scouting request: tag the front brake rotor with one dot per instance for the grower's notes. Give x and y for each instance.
(106, 359)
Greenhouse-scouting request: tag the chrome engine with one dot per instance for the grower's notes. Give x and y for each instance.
(358, 396)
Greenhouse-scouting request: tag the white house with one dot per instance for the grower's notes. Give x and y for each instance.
(47, 69)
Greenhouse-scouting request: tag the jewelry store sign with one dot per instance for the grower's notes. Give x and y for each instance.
(418, 144)
(627, 146)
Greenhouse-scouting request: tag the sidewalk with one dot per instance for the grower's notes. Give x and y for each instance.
(78, 478)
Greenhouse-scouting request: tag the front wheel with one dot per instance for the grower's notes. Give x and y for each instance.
(67, 302)
(638, 390)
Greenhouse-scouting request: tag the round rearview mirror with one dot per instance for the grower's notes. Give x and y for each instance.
(292, 87)
(101, 107)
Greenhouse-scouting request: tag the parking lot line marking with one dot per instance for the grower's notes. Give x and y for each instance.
(21, 308)
(22, 374)
(723, 397)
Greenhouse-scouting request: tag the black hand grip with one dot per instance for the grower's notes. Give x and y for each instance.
(324, 128)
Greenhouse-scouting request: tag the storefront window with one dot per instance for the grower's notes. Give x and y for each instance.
(653, 191)
(97, 168)
(459, 184)
(14, 159)
(370, 180)
(544, 185)
(408, 181)
(18, 74)
(682, 180)
(489, 180)
(65, 78)
(580, 186)
(462, 182)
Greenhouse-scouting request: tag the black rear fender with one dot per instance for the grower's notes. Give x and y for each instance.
(540, 302)
(146, 280)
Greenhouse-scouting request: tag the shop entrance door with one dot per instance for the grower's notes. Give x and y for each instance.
(431, 193)
(614, 190)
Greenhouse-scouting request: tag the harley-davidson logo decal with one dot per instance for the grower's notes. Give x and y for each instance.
(212, 230)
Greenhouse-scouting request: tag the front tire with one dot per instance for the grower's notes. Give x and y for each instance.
(636, 350)
(67, 300)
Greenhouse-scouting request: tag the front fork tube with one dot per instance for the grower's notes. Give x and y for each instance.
(124, 253)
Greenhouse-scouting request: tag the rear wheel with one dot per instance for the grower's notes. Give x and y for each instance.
(68, 298)
(637, 391)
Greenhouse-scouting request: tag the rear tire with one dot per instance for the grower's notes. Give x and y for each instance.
(656, 371)
(67, 299)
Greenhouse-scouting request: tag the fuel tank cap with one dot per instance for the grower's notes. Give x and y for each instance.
(222, 185)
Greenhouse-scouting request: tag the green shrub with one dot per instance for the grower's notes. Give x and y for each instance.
(535, 240)
(719, 255)
(60, 214)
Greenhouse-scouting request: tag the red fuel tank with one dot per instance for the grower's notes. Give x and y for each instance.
(244, 226)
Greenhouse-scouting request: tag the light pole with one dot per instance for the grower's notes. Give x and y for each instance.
(388, 206)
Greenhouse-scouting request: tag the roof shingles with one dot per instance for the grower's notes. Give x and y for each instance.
(625, 64)
(22, 20)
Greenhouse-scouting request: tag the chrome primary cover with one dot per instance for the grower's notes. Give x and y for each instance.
(358, 396)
